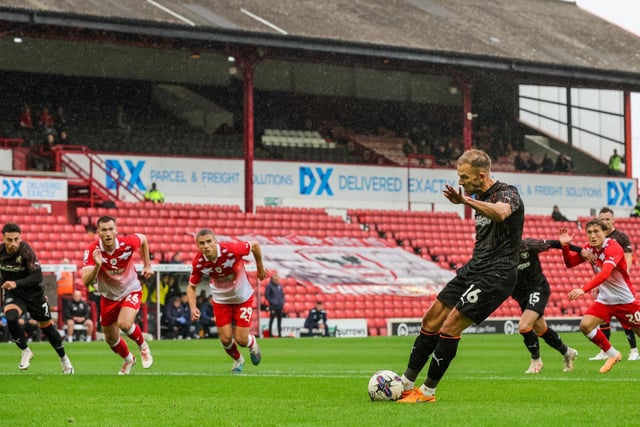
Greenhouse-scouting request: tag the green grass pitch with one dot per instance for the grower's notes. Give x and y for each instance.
(314, 382)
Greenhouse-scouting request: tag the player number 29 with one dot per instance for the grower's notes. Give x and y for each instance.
(245, 313)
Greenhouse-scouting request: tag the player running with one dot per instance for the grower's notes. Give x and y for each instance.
(532, 294)
(109, 261)
(231, 292)
(616, 296)
(23, 292)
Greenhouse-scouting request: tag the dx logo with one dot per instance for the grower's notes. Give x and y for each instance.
(619, 193)
(11, 188)
(309, 178)
(116, 174)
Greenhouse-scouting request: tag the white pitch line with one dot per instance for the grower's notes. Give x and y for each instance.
(263, 21)
(171, 12)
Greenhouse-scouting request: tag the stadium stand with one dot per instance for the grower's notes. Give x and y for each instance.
(426, 234)
(94, 121)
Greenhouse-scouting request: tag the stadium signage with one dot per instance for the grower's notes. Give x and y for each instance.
(345, 328)
(619, 194)
(507, 326)
(116, 174)
(200, 180)
(34, 188)
(309, 178)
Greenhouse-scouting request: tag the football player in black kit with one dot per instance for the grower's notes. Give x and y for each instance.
(23, 291)
(481, 285)
(532, 294)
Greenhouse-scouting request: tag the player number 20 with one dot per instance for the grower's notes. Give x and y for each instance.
(634, 318)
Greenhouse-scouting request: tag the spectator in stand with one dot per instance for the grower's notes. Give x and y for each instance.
(519, 163)
(25, 121)
(173, 287)
(563, 163)
(532, 166)
(409, 148)
(454, 149)
(231, 292)
(77, 312)
(154, 195)
(45, 152)
(423, 147)
(23, 292)
(46, 121)
(616, 296)
(606, 216)
(556, 215)
(274, 294)
(109, 262)
(59, 121)
(164, 288)
(441, 156)
(63, 137)
(176, 320)
(546, 166)
(615, 164)
(317, 321)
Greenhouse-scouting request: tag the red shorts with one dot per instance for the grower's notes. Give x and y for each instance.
(109, 309)
(627, 314)
(240, 314)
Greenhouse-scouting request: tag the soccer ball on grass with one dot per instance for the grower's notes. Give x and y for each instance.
(385, 385)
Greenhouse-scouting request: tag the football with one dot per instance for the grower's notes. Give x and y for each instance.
(385, 385)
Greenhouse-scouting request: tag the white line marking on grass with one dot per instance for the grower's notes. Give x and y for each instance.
(559, 378)
(257, 373)
(261, 373)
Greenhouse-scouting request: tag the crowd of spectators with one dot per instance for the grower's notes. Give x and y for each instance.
(41, 135)
(524, 161)
(52, 129)
(119, 124)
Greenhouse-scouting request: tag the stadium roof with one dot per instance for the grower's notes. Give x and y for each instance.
(549, 39)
